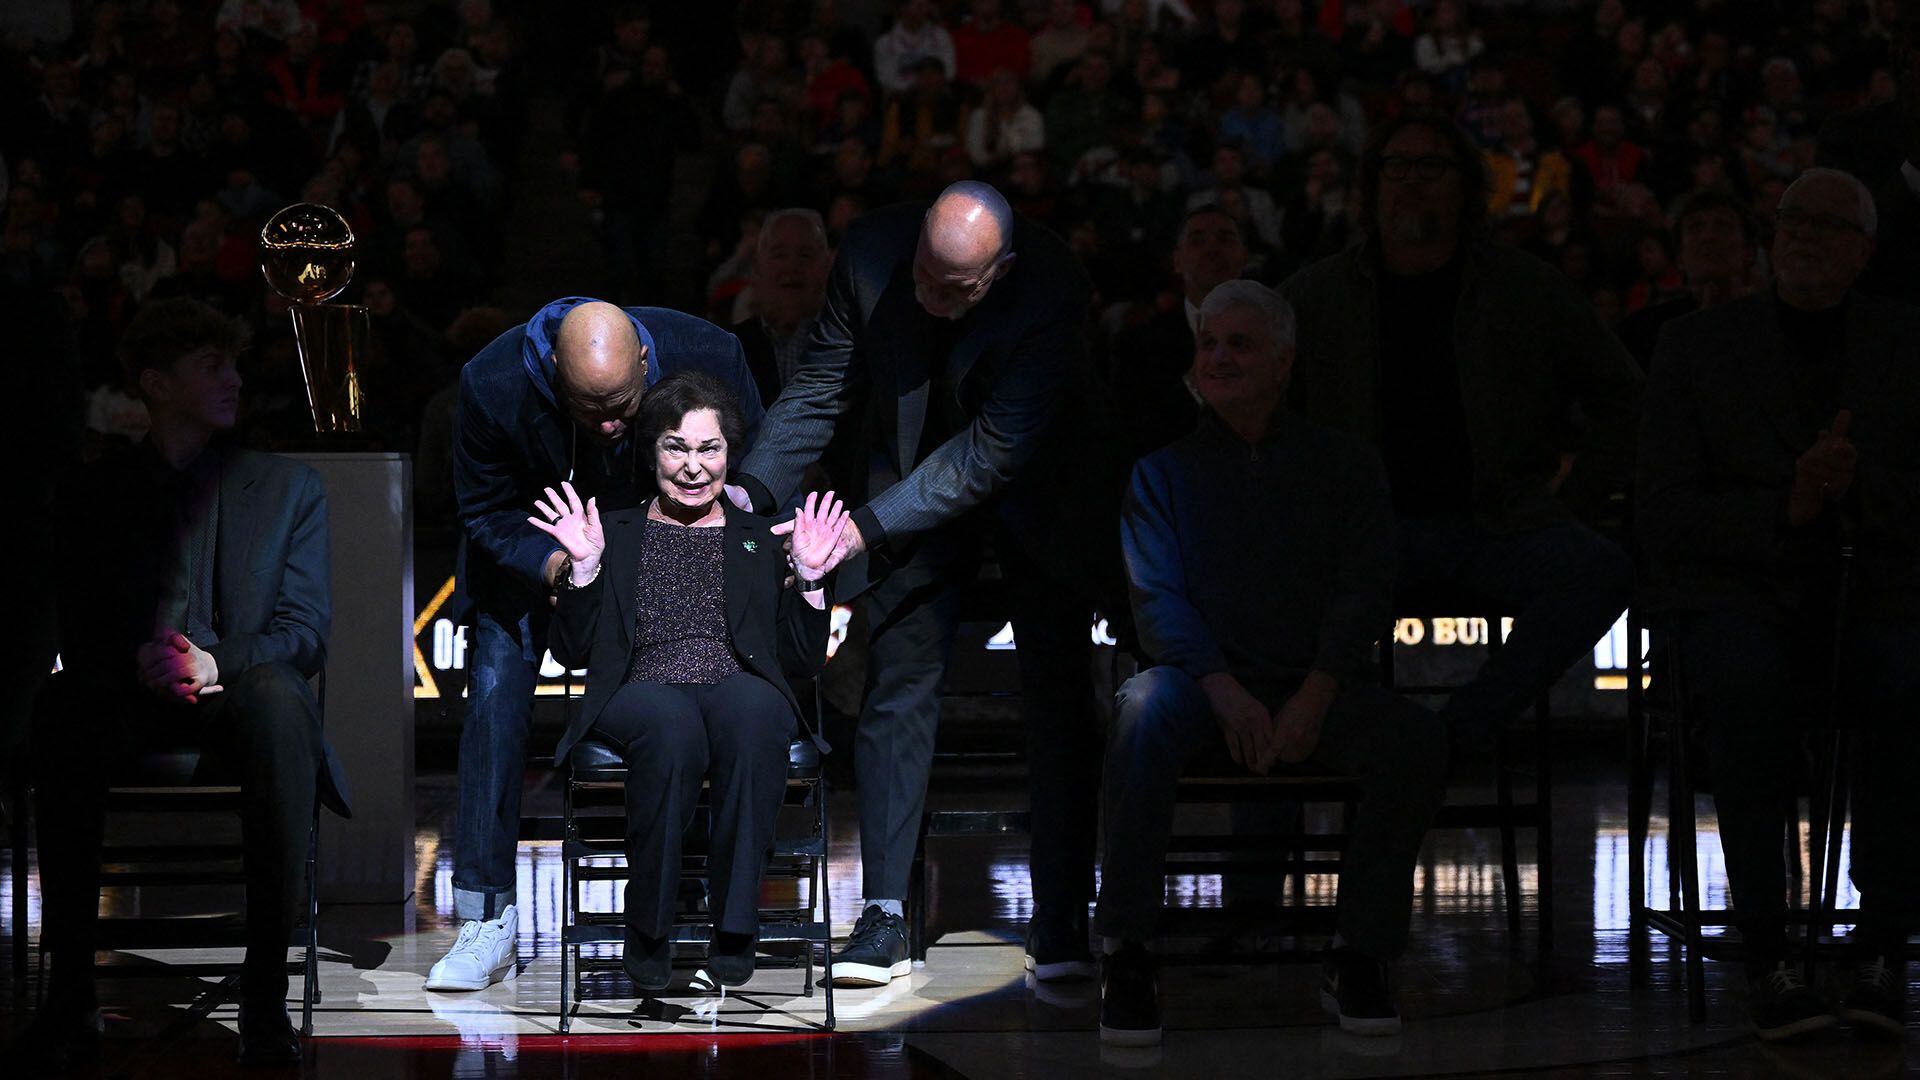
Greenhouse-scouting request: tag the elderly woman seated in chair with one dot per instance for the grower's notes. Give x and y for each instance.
(688, 614)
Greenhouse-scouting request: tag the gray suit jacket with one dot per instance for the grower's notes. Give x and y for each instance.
(271, 583)
(1718, 445)
(1012, 360)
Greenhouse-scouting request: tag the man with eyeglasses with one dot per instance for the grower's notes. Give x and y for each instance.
(1504, 410)
(548, 401)
(964, 319)
(1780, 429)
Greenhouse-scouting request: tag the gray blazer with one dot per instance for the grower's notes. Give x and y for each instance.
(1719, 442)
(271, 579)
(1012, 360)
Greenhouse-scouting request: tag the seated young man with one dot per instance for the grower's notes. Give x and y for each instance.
(194, 607)
(1260, 552)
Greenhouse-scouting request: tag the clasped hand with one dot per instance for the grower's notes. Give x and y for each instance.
(177, 669)
(1258, 739)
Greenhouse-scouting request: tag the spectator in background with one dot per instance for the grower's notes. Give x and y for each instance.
(1350, 120)
(1230, 187)
(627, 169)
(1779, 427)
(1149, 365)
(1717, 244)
(916, 35)
(1084, 113)
(1446, 48)
(1318, 220)
(920, 127)
(1521, 172)
(1255, 125)
(1004, 124)
(1659, 278)
(827, 78)
(765, 75)
(1475, 416)
(986, 43)
(1060, 41)
(789, 284)
(1611, 159)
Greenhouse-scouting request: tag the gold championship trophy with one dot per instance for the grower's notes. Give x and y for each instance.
(306, 255)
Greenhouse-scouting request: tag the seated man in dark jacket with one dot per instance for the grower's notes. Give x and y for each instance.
(1502, 408)
(195, 611)
(1260, 556)
(1780, 429)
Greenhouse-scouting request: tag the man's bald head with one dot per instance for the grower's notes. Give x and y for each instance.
(600, 368)
(966, 244)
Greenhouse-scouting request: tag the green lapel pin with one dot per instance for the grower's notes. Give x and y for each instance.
(751, 546)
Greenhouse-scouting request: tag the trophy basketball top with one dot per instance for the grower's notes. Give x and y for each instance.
(306, 252)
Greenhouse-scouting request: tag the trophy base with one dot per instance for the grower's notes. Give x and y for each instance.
(332, 442)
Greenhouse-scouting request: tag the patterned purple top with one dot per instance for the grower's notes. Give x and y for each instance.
(680, 630)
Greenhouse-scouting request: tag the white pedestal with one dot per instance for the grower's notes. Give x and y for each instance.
(369, 721)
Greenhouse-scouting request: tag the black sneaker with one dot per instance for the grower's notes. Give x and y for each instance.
(1358, 991)
(58, 1040)
(731, 959)
(1782, 1005)
(1129, 997)
(267, 1036)
(1877, 1001)
(648, 960)
(876, 952)
(1057, 948)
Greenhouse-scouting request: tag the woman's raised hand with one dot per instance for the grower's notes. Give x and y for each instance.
(575, 526)
(817, 527)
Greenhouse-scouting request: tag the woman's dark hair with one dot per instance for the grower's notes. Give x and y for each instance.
(1474, 179)
(672, 398)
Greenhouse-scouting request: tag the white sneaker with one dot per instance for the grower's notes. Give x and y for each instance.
(485, 953)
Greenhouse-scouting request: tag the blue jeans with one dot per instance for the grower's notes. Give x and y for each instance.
(1164, 726)
(1564, 586)
(507, 647)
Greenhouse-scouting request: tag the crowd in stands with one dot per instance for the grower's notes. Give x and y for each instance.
(146, 143)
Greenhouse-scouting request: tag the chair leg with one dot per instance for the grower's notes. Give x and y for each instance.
(1683, 852)
(1639, 807)
(568, 961)
(826, 899)
(1543, 820)
(310, 982)
(1828, 899)
(19, 830)
(1509, 845)
(919, 900)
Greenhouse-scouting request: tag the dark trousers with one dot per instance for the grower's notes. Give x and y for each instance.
(262, 731)
(507, 645)
(1564, 585)
(912, 615)
(1759, 685)
(1165, 727)
(676, 736)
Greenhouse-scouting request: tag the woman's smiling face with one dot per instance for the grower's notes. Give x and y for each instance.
(690, 460)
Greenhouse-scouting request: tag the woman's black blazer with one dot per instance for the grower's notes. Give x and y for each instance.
(775, 631)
